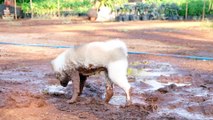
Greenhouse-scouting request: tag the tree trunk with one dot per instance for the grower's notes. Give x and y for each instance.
(31, 7)
(58, 8)
(204, 7)
(15, 12)
(210, 5)
(186, 14)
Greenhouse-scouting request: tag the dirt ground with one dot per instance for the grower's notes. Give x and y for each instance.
(164, 88)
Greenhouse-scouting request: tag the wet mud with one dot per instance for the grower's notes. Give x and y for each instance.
(161, 90)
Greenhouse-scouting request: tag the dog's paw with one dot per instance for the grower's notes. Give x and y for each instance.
(71, 101)
(128, 103)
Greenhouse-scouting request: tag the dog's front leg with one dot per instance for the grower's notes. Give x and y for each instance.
(83, 79)
(76, 83)
(109, 88)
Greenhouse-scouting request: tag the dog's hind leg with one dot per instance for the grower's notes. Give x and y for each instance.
(118, 74)
(83, 79)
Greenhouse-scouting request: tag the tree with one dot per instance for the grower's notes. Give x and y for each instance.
(210, 5)
(15, 9)
(58, 6)
(186, 14)
(31, 7)
(204, 7)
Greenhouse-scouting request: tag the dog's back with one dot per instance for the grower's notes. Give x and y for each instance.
(101, 53)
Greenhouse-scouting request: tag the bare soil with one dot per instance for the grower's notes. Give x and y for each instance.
(164, 88)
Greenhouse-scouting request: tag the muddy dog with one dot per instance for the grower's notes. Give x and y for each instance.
(78, 63)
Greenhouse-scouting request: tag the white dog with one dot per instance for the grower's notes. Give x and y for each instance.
(76, 64)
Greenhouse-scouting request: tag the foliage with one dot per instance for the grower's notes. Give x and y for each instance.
(171, 10)
(167, 9)
(110, 3)
(210, 5)
(25, 7)
(125, 9)
(142, 8)
(195, 7)
(76, 5)
(157, 11)
(160, 8)
(50, 7)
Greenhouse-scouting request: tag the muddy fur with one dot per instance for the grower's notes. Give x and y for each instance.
(76, 64)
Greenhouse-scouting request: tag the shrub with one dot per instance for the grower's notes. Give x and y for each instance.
(50, 7)
(195, 8)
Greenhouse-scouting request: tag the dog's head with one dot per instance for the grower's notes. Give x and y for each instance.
(58, 65)
(63, 78)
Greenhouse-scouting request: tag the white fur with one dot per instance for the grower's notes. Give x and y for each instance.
(95, 53)
(111, 54)
(59, 63)
(117, 73)
(110, 45)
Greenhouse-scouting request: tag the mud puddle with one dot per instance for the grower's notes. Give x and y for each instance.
(144, 77)
(160, 91)
(149, 76)
(24, 74)
(155, 74)
(171, 90)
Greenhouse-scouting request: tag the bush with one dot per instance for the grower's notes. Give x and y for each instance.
(157, 8)
(50, 7)
(195, 7)
(77, 6)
